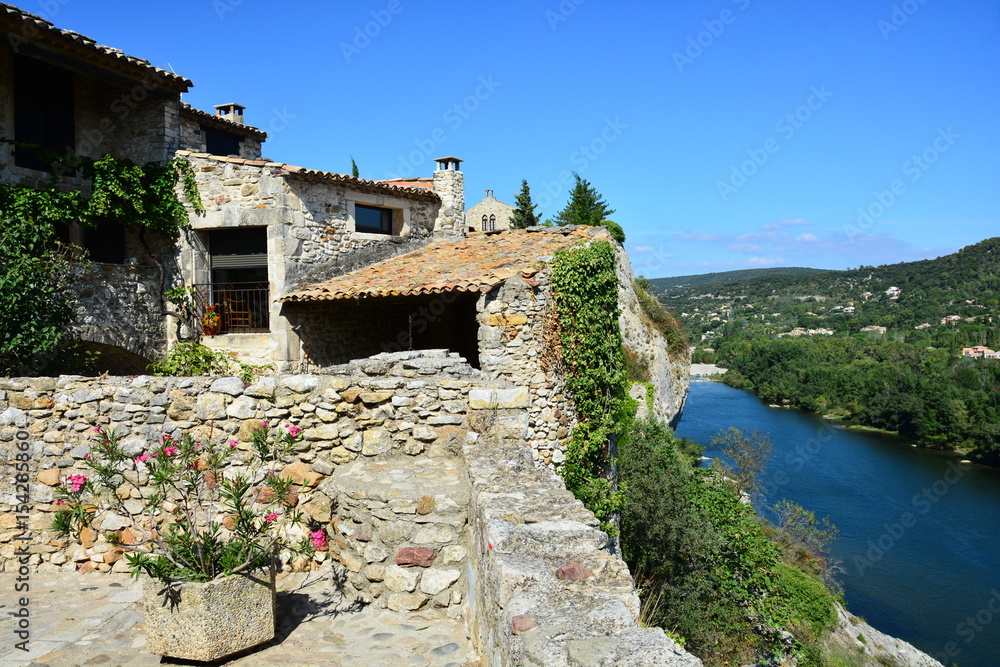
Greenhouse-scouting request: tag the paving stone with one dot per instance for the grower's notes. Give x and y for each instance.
(97, 619)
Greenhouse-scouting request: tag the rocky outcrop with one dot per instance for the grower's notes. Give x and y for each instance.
(670, 377)
(854, 636)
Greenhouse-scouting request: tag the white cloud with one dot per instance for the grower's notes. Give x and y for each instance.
(745, 247)
(808, 238)
(796, 222)
(642, 248)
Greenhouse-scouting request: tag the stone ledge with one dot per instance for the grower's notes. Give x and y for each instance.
(545, 592)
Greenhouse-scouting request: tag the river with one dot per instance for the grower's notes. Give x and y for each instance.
(918, 531)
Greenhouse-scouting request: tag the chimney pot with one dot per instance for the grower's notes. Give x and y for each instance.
(232, 112)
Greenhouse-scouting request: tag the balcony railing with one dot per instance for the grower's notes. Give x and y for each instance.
(239, 307)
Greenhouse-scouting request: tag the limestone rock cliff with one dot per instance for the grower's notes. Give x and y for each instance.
(670, 377)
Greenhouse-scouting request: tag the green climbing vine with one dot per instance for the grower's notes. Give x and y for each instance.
(586, 296)
(121, 192)
(35, 268)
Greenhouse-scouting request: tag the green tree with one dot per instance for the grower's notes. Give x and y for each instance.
(585, 207)
(34, 306)
(524, 213)
(355, 172)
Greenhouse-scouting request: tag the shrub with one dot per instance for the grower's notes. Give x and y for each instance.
(663, 320)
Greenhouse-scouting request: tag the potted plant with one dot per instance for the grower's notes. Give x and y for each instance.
(211, 323)
(206, 536)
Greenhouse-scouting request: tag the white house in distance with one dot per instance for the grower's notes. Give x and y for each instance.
(489, 215)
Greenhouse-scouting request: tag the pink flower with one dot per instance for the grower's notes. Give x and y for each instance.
(293, 430)
(97, 429)
(265, 424)
(171, 451)
(270, 517)
(60, 502)
(318, 539)
(142, 459)
(86, 456)
(233, 443)
(76, 482)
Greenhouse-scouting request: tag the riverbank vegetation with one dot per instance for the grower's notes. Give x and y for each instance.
(927, 394)
(733, 587)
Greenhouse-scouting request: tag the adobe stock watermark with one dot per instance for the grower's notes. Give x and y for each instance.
(562, 13)
(922, 503)
(21, 616)
(698, 43)
(364, 35)
(901, 13)
(970, 627)
(47, 9)
(581, 158)
(786, 127)
(803, 454)
(914, 168)
(454, 116)
(223, 7)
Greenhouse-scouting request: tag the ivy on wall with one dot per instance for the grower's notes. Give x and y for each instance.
(586, 304)
(35, 268)
(121, 192)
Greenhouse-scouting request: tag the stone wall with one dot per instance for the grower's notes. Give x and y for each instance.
(392, 406)
(515, 347)
(544, 590)
(120, 306)
(133, 122)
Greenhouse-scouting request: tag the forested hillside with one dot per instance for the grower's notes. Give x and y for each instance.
(956, 296)
(663, 286)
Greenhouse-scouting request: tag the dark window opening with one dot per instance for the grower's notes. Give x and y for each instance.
(220, 142)
(44, 111)
(372, 220)
(104, 243)
(493, 223)
(485, 223)
(239, 292)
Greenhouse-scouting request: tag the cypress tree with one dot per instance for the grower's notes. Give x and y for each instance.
(524, 213)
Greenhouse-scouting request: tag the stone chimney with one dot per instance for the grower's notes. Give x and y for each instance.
(231, 111)
(449, 184)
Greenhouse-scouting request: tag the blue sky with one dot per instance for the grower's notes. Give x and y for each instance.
(726, 133)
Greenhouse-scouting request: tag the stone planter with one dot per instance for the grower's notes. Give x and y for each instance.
(209, 621)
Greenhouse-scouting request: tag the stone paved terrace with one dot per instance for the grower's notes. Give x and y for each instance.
(95, 619)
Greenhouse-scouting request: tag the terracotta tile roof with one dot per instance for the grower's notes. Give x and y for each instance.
(316, 176)
(25, 27)
(221, 123)
(411, 182)
(473, 264)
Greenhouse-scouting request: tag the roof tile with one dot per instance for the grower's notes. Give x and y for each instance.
(472, 264)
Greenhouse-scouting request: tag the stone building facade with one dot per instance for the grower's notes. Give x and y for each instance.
(489, 215)
(267, 226)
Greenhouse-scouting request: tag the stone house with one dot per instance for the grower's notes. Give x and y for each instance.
(489, 215)
(267, 226)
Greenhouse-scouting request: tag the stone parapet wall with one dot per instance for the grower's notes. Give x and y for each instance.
(545, 591)
(393, 406)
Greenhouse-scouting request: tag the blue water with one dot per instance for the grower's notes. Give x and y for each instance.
(918, 530)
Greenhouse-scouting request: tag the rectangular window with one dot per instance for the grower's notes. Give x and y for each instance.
(44, 111)
(219, 142)
(372, 220)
